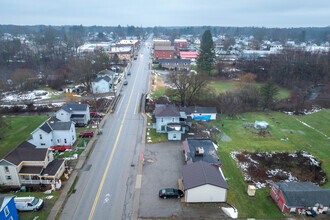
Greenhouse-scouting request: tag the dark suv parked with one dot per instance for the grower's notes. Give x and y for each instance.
(170, 193)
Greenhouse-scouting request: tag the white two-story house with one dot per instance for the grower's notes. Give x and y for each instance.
(55, 134)
(78, 113)
(28, 165)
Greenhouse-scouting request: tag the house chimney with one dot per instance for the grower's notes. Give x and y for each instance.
(52, 119)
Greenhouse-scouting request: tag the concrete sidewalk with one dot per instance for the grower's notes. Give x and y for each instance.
(59, 204)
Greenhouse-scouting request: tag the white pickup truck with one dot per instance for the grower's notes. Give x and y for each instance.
(28, 203)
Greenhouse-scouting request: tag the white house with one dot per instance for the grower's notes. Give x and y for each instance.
(102, 85)
(204, 182)
(27, 164)
(55, 134)
(78, 113)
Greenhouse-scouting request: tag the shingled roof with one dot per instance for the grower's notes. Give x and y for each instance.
(55, 124)
(105, 78)
(167, 111)
(201, 173)
(210, 154)
(71, 106)
(303, 194)
(26, 152)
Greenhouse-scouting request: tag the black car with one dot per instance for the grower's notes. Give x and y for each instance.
(170, 193)
(129, 73)
(125, 83)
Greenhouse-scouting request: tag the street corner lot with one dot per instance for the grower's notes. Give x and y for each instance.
(162, 169)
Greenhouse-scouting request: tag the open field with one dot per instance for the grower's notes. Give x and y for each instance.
(221, 86)
(19, 129)
(42, 213)
(300, 137)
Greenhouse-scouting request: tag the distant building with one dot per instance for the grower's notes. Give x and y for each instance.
(132, 43)
(189, 54)
(78, 113)
(158, 43)
(175, 64)
(180, 43)
(124, 52)
(164, 52)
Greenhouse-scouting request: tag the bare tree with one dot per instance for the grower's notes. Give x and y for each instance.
(187, 85)
(23, 79)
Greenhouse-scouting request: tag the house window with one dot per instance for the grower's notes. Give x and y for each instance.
(62, 114)
(65, 140)
(11, 218)
(8, 177)
(172, 119)
(40, 136)
(6, 211)
(274, 189)
(42, 144)
(162, 128)
(174, 136)
(7, 169)
(162, 119)
(72, 137)
(58, 141)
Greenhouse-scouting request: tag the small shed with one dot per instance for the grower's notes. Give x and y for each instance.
(261, 125)
(251, 191)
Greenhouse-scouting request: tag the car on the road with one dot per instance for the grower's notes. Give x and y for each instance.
(170, 193)
(86, 134)
(95, 115)
(135, 57)
(125, 83)
(129, 73)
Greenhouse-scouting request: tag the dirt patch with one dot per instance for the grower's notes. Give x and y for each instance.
(22, 128)
(263, 168)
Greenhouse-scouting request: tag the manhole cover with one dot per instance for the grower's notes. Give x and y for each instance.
(73, 191)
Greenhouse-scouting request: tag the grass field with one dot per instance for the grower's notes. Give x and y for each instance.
(222, 86)
(42, 213)
(301, 137)
(19, 129)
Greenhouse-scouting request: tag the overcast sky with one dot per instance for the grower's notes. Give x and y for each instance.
(267, 13)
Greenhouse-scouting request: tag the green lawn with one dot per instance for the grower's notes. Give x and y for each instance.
(42, 213)
(220, 86)
(160, 91)
(154, 136)
(19, 129)
(301, 138)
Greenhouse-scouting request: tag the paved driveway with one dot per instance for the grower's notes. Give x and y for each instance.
(162, 169)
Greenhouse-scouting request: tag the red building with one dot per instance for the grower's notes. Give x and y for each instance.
(164, 52)
(180, 43)
(300, 196)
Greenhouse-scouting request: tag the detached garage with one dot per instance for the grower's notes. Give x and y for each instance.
(204, 182)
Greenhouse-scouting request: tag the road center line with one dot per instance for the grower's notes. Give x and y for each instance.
(113, 150)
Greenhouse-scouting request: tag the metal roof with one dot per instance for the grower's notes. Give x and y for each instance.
(201, 173)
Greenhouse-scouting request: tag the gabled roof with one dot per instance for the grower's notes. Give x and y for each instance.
(55, 124)
(105, 78)
(303, 194)
(26, 152)
(72, 106)
(167, 111)
(164, 48)
(106, 72)
(210, 155)
(201, 173)
(174, 61)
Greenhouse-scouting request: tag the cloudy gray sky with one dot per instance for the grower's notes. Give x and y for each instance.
(267, 13)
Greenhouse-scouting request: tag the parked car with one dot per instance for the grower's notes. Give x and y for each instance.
(28, 203)
(86, 134)
(125, 83)
(61, 148)
(170, 193)
(95, 115)
(128, 73)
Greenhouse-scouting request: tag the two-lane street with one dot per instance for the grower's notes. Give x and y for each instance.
(105, 187)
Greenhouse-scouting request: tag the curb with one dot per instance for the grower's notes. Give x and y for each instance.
(60, 202)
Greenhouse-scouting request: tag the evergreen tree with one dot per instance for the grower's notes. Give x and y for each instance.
(268, 93)
(206, 58)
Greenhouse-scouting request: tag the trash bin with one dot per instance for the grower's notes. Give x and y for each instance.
(101, 131)
(23, 189)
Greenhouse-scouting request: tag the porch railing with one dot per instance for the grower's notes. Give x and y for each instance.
(37, 181)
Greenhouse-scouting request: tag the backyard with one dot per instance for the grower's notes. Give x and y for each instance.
(311, 137)
(17, 130)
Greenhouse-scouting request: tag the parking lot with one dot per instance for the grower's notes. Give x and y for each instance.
(162, 169)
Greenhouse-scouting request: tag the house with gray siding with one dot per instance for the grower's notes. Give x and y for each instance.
(71, 111)
(55, 134)
(175, 64)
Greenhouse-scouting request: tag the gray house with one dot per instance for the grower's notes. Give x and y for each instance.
(167, 120)
(78, 113)
(55, 134)
(175, 64)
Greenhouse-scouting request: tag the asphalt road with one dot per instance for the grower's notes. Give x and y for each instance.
(105, 187)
